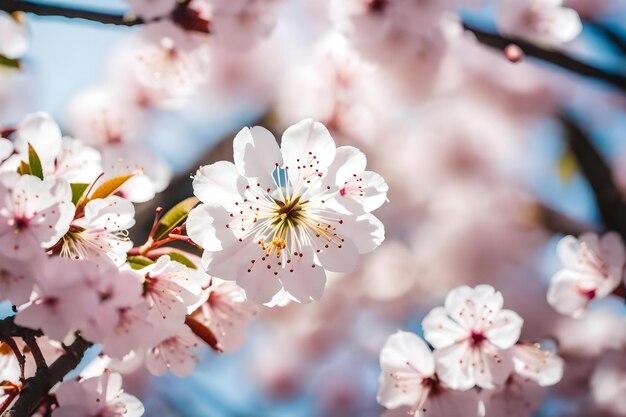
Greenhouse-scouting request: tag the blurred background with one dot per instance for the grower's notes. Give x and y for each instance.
(474, 148)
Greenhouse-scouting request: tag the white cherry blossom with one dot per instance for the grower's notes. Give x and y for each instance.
(102, 231)
(269, 222)
(471, 335)
(34, 214)
(543, 21)
(593, 267)
(95, 397)
(170, 288)
(542, 366)
(408, 380)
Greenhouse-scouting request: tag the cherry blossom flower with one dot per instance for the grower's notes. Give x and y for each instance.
(408, 379)
(593, 267)
(65, 297)
(543, 21)
(34, 214)
(170, 288)
(174, 353)
(169, 61)
(16, 280)
(268, 222)
(471, 335)
(226, 312)
(101, 231)
(97, 396)
(77, 163)
(541, 366)
(13, 35)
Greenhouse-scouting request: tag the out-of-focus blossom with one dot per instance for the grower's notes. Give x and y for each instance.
(270, 222)
(408, 379)
(13, 35)
(175, 353)
(543, 367)
(226, 312)
(16, 280)
(97, 396)
(593, 267)
(169, 61)
(34, 214)
(471, 336)
(518, 397)
(608, 383)
(542, 21)
(151, 9)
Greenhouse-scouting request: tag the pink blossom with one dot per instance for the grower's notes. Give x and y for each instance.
(97, 396)
(471, 335)
(593, 267)
(608, 383)
(174, 353)
(34, 214)
(13, 35)
(518, 397)
(16, 280)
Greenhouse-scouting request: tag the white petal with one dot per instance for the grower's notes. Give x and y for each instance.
(206, 225)
(339, 259)
(43, 133)
(505, 330)
(348, 162)
(308, 280)
(440, 330)
(366, 231)
(13, 37)
(566, 24)
(453, 365)
(256, 154)
(307, 143)
(219, 184)
(564, 294)
(612, 249)
(449, 403)
(568, 249)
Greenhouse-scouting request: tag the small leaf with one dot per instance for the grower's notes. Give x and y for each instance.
(139, 262)
(567, 166)
(10, 62)
(110, 186)
(23, 169)
(182, 259)
(174, 217)
(34, 162)
(78, 189)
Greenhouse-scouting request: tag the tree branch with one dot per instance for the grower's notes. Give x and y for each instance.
(40, 9)
(609, 199)
(37, 387)
(557, 58)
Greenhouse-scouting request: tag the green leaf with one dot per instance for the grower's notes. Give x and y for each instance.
(34, 162)
(139, 262)
(110, 186)
(23, 169)
(174, 217)
(78, 189)
(182, 259)
(10, 62)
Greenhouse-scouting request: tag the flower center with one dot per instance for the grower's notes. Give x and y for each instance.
(476, 338)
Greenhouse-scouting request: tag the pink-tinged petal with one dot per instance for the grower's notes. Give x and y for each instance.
(349, 162)
(519, 397)
(229, 263)
(219, 184)
(612, 249)
(256, 154)
(460, 307)
(568, 249)
(406, 361)
(366, 231)
(339, 259)
(543, 367)
(375, 190)
(206, 226)
(307, 145)
(42, 133)
(440, 330)
(566, 24)
(505, 329)
(566, 296)
(453, 364)
(6, 148)
(449, 403)
(13, 36)
(307, 281)
(491, 366)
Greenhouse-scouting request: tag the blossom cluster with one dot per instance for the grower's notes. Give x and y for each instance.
(478, 365)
